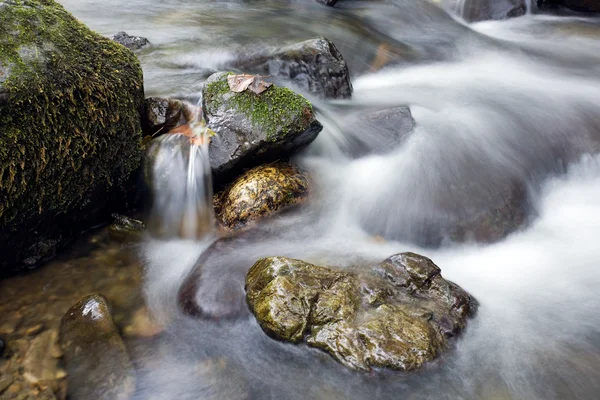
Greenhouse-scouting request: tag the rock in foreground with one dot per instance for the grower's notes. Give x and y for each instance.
(97, 362)
(252, 129)
(398, 314)
(70, 103)
(260, 192)
(314, 65)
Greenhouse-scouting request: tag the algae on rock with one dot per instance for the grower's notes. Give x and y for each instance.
(70, 103)
(398, 314)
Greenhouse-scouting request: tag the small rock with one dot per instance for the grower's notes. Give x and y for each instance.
(40, 362)
(398, 314)
(97, 362)
(328, 2)
(163, 114)
(314, 65)
(131, 42)
(126, 227)
(34, 330)
(260, 192)
(252, 129)
(2, 346)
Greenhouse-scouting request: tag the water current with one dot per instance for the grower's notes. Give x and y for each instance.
(497, 105)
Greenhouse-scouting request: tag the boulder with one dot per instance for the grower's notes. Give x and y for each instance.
(70, 104)
(398, 314)
(252, 129)
(315, 66)
(480, 10)
(131, 42)
(97, 362)
(260, 192)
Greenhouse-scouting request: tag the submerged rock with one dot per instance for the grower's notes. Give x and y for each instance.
(126, 227)
(397, 315)
(131, 42)
(252, 129)
(377, 132)
(97, 362)
(314, 65)
(260, 192)
(480, 10)
(70, 103)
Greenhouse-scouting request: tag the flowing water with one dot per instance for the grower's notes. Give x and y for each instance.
(497, 104)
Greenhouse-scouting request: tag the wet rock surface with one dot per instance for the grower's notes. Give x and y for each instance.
(163, 114)
(131, 42)
(592, 6)
(259, 193)
(251, 129)
(96, 358)
(480, 10)
(398, 315)
(315, 66)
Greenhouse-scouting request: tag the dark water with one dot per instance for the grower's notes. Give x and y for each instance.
(494, 103)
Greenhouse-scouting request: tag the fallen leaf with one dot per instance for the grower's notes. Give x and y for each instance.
(254, 83)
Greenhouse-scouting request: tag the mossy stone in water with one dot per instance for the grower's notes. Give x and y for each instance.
(260, 192)
(70, 104)
(97, 361)
(398, 314)
(252, 129)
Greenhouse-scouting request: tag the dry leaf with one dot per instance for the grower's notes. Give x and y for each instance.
(254, 83)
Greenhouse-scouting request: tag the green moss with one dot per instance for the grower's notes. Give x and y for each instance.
(278, 111)
(69, 112)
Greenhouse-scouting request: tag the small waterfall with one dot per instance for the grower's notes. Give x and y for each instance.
(179, 174)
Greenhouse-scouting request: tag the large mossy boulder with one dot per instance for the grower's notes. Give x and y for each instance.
(259, 193)
(398, 314)
(314, 65)
(252, 129)
(70, 104)
(96, 358)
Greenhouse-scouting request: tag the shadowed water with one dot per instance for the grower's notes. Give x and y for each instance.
(497, 105)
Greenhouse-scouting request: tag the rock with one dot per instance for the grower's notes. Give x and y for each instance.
(2, 346)
(387, 129)
(480, 10)
(143, 325)
(70, 103)
(260, 192)
(328, 2)
(398, 314)
(163, 114)
(314, 65)
(41, 360)
(126, 228)
(131, 42)
(252, 129)
(98, 365)
(577, 5)
(34, 330)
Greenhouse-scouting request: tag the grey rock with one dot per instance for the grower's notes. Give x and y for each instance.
(480, 10)
(314, 65)
(131, 42)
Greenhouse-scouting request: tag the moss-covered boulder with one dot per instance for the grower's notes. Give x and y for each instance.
(97, 361)
(260, 192)
(252, 129)
(70, 104)
(314, 65)
(398, 314)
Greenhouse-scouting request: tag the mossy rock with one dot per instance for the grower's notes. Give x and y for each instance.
(70, 105)
(259, 193)
(398, 314)
(96, 358)
(253, 129)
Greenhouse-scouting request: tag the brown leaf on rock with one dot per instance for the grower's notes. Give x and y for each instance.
(241, 82)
